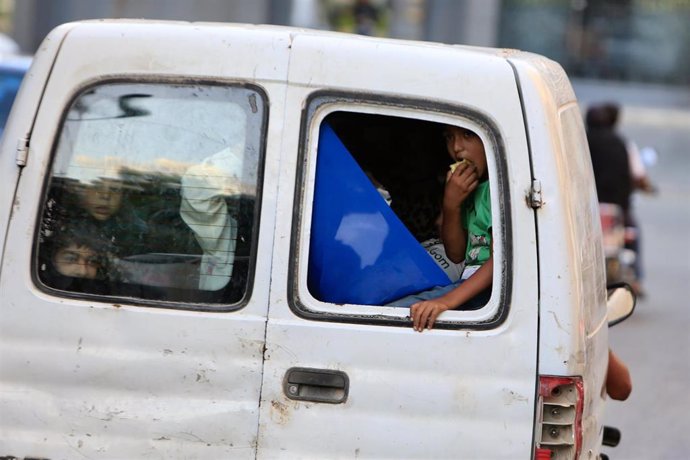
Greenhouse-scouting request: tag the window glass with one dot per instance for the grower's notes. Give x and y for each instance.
(153, 193)
(376, 222)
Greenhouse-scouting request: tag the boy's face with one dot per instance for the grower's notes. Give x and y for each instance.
(462, 143)
(101, 200)
(77, 261)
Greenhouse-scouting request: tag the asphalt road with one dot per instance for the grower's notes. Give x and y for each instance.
(655, 341)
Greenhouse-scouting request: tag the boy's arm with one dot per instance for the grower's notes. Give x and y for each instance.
(618, 381)
(453, 235)
(424, 313)
(459, 185)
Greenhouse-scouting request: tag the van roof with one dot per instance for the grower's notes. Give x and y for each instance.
(294, 31)
(549, 71)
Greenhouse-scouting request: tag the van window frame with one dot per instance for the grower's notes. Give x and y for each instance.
(181, 305)
(320, 100)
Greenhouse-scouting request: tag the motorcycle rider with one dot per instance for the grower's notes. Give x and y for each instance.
(609, 159)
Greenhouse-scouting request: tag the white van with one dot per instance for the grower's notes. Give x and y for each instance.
(195, 261)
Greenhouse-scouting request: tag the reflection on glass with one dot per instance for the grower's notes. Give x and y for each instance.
(164, 178)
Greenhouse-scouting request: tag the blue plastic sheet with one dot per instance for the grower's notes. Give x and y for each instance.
(360, 253)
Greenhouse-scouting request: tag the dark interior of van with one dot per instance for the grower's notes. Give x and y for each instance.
(406, 156)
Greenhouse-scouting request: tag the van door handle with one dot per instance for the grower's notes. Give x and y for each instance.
(317, 385)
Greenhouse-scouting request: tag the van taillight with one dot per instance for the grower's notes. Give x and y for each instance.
(559, 418)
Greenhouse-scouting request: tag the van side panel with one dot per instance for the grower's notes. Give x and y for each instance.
(442, 393)
(117, 379)
(573, 330)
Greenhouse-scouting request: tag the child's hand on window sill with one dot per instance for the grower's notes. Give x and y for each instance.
(424, 314)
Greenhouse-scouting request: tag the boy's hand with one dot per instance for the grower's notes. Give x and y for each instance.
(459, 184)
(424, 314)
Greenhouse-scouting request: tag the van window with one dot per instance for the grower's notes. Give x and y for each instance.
(154, 192)
(374, 232)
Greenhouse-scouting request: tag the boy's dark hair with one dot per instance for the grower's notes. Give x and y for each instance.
(78, 232)
(62, 234)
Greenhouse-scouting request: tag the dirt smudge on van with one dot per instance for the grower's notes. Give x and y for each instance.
(558, 323)
(510, 397)
(252, 103)
(280, 412)
(201, 376)
(465, 396)
(578, 357)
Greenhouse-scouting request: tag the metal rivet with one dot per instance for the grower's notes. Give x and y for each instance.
(554, 432)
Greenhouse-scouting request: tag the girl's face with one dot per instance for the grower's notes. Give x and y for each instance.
(77, 261)
(102, 200)
(462, 143)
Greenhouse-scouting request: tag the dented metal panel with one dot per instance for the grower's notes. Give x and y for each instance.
(459, 393)
(94, 379)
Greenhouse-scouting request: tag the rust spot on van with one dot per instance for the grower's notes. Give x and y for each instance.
(280, 412)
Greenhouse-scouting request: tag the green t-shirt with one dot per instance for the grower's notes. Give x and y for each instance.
(476, 217)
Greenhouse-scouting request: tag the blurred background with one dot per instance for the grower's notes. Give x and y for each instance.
(623, 40)
(635, 53)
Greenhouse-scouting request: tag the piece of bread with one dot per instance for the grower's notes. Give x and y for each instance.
(458, 163)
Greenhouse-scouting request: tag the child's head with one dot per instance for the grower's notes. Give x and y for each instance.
(75, 252)
(101, 200)
(77, 261)
(462, 143)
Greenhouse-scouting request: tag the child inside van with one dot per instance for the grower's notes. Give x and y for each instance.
(72, 250)
(104, 204)
(465, 231)
(75, 256)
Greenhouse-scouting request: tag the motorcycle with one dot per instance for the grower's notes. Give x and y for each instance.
(621, 239)
(618, 243)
